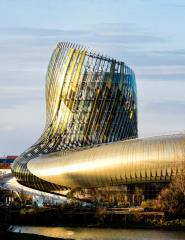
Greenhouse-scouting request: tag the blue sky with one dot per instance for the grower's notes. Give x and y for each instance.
(147, 34)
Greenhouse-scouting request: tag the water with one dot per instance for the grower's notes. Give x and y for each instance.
(102, 233)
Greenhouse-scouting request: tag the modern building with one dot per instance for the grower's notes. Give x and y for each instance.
(90, 136)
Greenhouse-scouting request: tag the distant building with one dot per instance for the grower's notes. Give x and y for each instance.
(5, 164)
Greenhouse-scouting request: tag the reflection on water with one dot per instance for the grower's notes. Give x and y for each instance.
(102, 233)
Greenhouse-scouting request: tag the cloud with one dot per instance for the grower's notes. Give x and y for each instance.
(162, 73)
(167, 107)
(20, 126)
(179, 52)
(115, 28)
(106, 33)
(39, 32)
(161, 117)
(11, 97)
(150, 58)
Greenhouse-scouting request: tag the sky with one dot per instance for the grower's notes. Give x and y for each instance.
(148, 35)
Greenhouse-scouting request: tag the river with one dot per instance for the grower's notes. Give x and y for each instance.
(102, 233)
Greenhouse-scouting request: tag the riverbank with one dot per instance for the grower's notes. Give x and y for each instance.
(88, 217)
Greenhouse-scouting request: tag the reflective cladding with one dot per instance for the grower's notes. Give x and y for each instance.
(90, 100)
(155, 159)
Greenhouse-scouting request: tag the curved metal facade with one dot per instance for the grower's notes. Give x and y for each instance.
(90, 100)
(155, 159)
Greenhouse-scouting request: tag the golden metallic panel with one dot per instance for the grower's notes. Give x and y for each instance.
(78, 70)
(98, 164)
(55, 100)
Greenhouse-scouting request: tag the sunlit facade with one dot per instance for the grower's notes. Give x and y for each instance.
(90, 100)
(90, 137)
